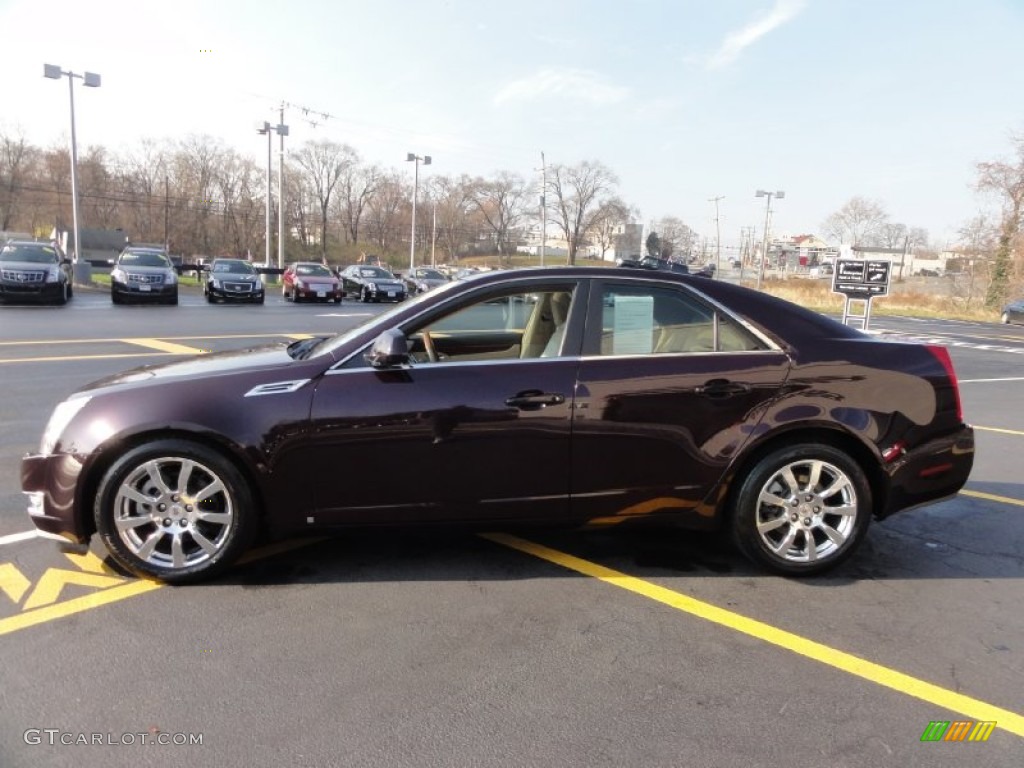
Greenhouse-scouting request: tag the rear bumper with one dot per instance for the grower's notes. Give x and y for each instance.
(319, 292)
(51, 482)
(930, 472)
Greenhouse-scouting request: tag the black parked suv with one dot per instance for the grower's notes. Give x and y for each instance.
(34, 271)
(233, 279)
(143, 274)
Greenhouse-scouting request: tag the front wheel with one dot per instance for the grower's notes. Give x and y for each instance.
(1005, 318)
(174, 510)
(802, 509)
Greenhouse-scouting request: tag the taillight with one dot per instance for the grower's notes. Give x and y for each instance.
(942, 355)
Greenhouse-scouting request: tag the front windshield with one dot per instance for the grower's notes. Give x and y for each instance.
(236, 267)
(313, 270)
(374, 272)
(144, 259)
(31, 254)
(429, 274)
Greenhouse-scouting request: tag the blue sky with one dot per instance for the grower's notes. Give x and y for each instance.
(684, 100)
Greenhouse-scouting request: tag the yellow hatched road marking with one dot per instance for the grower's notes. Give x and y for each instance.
(68, 358)
(846, 662)
(166, 346)
(13, 582)
(55, 579)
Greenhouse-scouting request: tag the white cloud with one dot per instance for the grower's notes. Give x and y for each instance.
(739, 40)
(577, 84)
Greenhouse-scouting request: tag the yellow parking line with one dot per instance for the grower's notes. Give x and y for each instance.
(992, 497)
(1000, 430)
(30, 342)
(66, 358)
(846, 662)
(166, 346)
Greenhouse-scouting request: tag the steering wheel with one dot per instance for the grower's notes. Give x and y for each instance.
(428, 346)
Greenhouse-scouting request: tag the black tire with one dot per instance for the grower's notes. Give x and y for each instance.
(337, 299)
(115, 298)
(227, 525)
(364, 295)
(71, 290)
(836, 523)
(1005, 318)
(261, 298)
(62, 297)
(210, 298)
(173, 299)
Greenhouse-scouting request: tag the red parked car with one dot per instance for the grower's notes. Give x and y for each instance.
(310, 281)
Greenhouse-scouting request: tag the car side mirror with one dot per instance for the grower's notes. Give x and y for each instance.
(390, 349)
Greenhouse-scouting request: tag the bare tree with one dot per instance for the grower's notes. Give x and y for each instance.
(858, 222)
(323, 165)
(453, 197)
(501, 204)
(358, 185)
(676, 237)
(384, 210)
(1005, 179)
(604, 230)
(578, 192)
(15, 165)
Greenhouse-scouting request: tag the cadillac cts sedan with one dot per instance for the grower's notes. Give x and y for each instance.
(34, 271)
(610, 397)
(310, 281)
(234, 280)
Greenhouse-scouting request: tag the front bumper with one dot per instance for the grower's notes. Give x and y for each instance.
(386, 294)
(228, 293)
(930, 472)
(51, 484)
(144, 291)
(30, 291)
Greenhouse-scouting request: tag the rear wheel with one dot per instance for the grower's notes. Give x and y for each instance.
(802, 509)
(174, 510)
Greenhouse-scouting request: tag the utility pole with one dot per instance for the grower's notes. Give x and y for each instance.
(718, 235)
(167, 206)
(543, 206)
(433, 237)
(282, 131)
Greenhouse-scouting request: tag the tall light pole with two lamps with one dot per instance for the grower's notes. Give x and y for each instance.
(767, 215)
(269, 130)
(91, 80)
(414, 158)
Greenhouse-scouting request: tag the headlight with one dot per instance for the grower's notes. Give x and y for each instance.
(216, 283)
(299, 284)
(59, 419)
(119, 275)
(52, 277)
(172, 278)
(372, 287)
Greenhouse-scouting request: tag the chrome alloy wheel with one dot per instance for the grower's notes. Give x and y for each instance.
(806, 511)
(173, 512)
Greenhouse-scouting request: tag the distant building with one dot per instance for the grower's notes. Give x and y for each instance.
(100, 247)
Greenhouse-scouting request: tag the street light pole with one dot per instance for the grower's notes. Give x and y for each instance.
(414, 158)
(282, 131)
(767, 215)
(543, 207)
(718, 236)
(91, 80)
(267, 129)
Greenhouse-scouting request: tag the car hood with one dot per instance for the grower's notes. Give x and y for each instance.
(239, 276)
(28, 265)
(268, 357)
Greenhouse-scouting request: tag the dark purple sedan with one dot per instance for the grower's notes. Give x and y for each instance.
(569, 396)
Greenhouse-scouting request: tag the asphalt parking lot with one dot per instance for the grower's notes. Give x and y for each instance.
(596, 648)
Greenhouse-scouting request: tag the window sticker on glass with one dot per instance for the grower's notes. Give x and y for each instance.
(634, 325)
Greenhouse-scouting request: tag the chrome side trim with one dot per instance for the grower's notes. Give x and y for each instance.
(276, 388)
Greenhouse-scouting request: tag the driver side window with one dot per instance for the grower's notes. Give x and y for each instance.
(514, 326)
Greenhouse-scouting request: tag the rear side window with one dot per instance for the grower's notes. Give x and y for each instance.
(653, 320)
